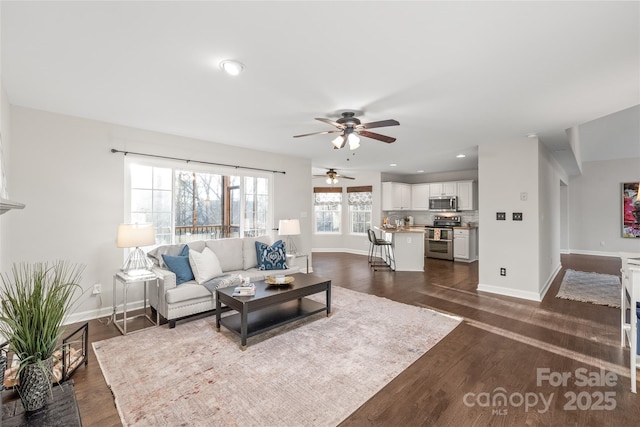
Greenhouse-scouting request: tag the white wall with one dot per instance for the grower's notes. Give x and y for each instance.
(346, 242)
(595, 207)
(505, 170)
(73, 187)
(5, 131)
(519, 176)
(564, 218)
(549, 218)
(418, 178)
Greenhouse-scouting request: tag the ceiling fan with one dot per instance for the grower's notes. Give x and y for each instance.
(349, 127)
(332, 176)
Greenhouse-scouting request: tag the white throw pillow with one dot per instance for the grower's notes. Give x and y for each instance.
(205, 265)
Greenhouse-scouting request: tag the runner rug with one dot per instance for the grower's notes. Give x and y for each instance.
(595, 288)
(314, 372)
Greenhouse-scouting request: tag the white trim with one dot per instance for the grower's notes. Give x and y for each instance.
(102, 312)
(342, 250)
(550, 280)
(532, 296)
(595, 253)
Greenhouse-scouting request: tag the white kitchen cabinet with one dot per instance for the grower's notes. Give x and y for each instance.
(420, 197)
(396, 196)
(466, 195)
(464, 244)
(442, 189)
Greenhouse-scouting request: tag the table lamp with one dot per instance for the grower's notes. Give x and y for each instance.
(134, 236)
(289, 227)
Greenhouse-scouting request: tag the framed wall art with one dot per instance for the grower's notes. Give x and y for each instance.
(630, 209)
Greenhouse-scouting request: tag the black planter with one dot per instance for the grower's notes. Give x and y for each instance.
(35, 384)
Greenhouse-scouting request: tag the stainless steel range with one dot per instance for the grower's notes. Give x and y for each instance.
(439, 237)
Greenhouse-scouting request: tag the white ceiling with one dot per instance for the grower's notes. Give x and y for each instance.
(453, 74)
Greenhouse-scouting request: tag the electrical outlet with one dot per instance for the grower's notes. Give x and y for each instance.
(501, 216)
(409, 240)
(503, 271)
(97, 289)
(517, 216)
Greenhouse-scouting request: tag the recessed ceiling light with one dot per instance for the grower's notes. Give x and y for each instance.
(393, 164)
(231, 67)
(460, 156)
(420, 171)
(532, 135)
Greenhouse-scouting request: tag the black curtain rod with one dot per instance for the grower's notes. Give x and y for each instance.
(113, 150)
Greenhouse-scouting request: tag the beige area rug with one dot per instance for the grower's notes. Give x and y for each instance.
(315, 372)
(595, 288)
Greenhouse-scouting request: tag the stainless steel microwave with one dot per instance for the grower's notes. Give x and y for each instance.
(443, 203)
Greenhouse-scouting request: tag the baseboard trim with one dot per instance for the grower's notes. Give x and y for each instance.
(594, 253)
(531, 296)
(341, 250)
(550, 280)
(84, 316)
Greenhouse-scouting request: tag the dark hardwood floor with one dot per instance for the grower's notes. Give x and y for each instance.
(499, 347)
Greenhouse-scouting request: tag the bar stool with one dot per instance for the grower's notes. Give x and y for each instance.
(376, 247)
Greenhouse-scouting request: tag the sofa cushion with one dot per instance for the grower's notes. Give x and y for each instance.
(249, 257)
(197, 245)
(156, 254)
(186, 292)
(228, 251)
(179, 265)
(205, 265)
(271, 257)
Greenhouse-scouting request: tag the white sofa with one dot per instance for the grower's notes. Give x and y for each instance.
(236, 256)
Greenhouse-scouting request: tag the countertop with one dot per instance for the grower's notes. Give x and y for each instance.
(464, 227)
(410, 229)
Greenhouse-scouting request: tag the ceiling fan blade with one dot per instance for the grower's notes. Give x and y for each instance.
(380, 124)
(345, 177)
(318, 133)
(377, 136)
(331, 122)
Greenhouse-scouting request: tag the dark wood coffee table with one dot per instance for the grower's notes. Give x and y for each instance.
(271, 306)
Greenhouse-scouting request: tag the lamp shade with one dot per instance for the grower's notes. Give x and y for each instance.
(135, 235)
(289, 227)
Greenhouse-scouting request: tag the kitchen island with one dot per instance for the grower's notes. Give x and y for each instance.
(408, 246)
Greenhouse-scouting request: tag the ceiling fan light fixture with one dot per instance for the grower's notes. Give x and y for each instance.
(354, 141)
(338, 141)
(232, 67)
(331, 180)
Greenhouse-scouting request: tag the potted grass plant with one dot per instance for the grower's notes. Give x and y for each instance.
(36, 299)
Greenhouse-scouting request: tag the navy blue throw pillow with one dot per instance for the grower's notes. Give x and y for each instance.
(272, 257)
(180, 266)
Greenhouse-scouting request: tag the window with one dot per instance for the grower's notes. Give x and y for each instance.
(256, 202)
(360, 203)
(151, 189)
(327, 209)
(199, 206)
(186, 205)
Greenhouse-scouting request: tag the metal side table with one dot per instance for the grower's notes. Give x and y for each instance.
(126, 281)
(299, 255)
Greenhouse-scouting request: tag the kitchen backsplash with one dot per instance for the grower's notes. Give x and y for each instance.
(426, 218)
